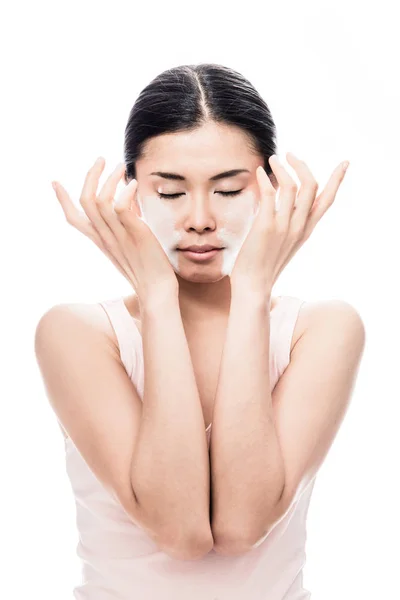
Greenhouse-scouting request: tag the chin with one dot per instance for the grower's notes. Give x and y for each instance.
(201, 277)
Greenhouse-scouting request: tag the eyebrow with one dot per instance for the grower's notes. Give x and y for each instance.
(177, 177)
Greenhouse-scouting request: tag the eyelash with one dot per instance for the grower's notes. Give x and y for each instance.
(172, 196)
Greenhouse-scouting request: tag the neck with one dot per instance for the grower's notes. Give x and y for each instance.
(199, 300)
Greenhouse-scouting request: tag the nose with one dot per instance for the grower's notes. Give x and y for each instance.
(200, 215)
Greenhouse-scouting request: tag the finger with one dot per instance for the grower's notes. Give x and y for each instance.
(127, 198)
(105, 205)
(267, 193)
(327, 196)
(125, 270)
(101, 214)
(287, 191)
(308, 187)
(91, 182)
(79, 220)
(91, 204)
(107, 192)
(74, 217)
(126, 207)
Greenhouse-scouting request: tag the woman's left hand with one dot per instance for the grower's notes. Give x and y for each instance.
(276, 235)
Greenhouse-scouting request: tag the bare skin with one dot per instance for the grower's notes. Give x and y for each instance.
(205, 339)
(198, 213)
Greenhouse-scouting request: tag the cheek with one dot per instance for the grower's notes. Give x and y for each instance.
(235, 222)
(161, 220)
(237, 219)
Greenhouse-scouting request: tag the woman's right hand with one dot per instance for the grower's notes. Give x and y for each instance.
(120, 233)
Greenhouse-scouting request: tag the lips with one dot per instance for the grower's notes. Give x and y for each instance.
(200, 248)
(199, 251)
(201, 256)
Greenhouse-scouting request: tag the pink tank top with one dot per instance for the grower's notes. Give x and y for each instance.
(121, 562)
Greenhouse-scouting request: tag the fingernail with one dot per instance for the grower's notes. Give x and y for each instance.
(345, 165)
(54, 185)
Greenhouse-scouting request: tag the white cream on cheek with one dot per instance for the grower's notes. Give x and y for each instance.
(161, 219)
(238, 215)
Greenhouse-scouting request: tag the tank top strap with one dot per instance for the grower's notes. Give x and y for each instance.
(127, 333)
(285, 325)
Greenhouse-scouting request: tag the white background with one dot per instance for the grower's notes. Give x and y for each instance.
(71, 72)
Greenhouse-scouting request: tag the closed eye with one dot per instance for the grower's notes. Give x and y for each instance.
(171, 196)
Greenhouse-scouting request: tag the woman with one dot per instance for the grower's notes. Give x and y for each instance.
(168, 506)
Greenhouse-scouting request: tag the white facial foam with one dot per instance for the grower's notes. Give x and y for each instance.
(161, 220)
(238, 216)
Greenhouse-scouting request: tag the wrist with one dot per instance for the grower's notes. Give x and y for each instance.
(159, 300)
(256, 294)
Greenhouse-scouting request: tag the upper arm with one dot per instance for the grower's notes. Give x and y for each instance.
(92, 396)
(311, 397)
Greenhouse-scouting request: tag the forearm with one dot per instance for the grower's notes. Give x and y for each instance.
(246, 462)
(170, 467)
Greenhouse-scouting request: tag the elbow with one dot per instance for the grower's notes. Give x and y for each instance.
(236, 543)
(181, 543)
(246, 533)
(193, 548)
(232, 544)
(232, 547)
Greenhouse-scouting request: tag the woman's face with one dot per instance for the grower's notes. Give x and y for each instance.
(185, 165)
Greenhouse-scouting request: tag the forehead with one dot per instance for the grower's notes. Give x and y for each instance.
(204, 151)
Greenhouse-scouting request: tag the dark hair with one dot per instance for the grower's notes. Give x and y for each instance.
(185, 97)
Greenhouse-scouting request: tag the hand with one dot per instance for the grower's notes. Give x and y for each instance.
(119, 231)
(276, 235)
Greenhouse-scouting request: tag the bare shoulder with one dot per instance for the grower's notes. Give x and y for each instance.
(92, 319)
(90, 314)
(328, 313)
